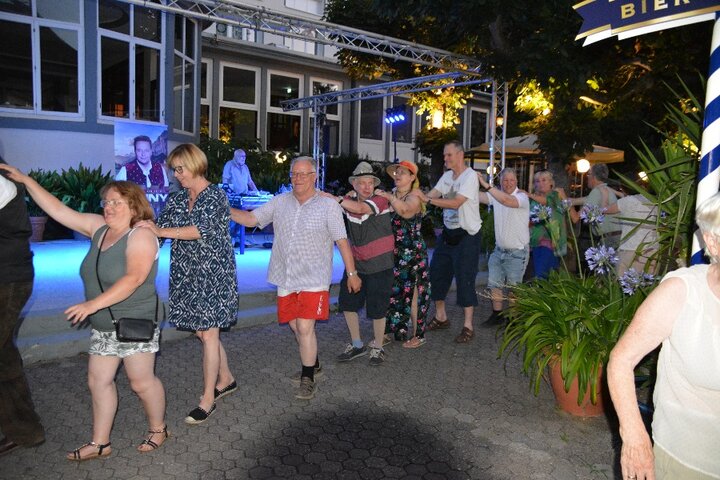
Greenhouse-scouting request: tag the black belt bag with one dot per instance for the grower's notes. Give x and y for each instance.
(453, 236)
(129, 329)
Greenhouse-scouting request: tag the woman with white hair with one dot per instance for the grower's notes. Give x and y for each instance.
(682, 314)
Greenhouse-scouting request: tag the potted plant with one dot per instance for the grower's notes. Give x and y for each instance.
(79, 188)
(50, 181)
(568, 323)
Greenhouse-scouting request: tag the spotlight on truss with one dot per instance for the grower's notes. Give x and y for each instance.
(395, 114)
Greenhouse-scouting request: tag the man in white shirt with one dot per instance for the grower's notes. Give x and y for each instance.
(511, 214)
(143, 171)
(457, 252)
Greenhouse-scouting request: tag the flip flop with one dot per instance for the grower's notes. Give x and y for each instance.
(415, 342)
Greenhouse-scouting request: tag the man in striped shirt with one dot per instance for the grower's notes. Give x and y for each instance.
(370, 233)
(306, 224)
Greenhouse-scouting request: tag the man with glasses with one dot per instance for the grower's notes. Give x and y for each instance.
(306, 224)
(236, 174)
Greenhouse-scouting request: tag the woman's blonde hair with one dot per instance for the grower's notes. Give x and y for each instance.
(193, 159)
(135, 198)
(545, 173)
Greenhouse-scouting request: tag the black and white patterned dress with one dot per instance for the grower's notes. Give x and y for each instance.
(203, 282)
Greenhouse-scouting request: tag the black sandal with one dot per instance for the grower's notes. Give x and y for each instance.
(75, 456)
(148, 441)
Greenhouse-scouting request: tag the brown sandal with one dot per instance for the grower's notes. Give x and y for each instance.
(75, 455)
(149, 442)
(465, 335)
(436, 324)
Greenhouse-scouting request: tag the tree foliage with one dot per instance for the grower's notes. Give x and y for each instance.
(608, 93)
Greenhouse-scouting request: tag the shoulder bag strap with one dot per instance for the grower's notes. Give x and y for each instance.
(102, 290)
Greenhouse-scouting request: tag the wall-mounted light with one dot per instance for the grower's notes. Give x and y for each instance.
(499, 121)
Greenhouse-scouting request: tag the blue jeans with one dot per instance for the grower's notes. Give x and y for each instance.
(544, 260)
(507, 266)
(459, 261)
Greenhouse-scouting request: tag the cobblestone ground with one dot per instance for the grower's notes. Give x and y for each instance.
(442, 411)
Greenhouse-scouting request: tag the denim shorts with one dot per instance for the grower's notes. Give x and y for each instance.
(507, 266)
(107, 344)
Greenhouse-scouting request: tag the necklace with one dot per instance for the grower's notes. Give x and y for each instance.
(402, 195)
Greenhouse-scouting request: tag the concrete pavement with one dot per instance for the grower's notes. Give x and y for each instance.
(442, 411)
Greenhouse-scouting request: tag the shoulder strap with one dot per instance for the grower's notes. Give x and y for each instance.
(102, 290)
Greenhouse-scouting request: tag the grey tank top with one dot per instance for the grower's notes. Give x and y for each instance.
(111, 267)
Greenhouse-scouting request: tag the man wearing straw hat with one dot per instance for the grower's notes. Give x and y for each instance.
(370, 233)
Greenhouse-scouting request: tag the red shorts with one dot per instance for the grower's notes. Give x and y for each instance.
(307, 305)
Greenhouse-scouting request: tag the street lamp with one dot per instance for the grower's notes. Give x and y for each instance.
(582, 166)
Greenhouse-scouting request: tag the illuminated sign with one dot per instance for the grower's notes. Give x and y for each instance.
(627, 18)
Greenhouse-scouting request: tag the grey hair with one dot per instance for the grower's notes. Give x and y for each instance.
(457, 144)
(507, 170)
(546, 173)
(310, 160)
(600, 171)
(707, 217)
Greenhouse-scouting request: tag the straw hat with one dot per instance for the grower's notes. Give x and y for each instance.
(364, 169)
(410, 166)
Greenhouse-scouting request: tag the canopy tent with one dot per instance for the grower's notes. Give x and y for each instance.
(526, 145)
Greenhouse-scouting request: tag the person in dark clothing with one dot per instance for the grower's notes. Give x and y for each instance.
(19, 422)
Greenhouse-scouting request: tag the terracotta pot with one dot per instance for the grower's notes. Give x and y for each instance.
(38, 228)
(567, 401)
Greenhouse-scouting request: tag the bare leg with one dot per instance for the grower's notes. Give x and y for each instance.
(413, 313)
(225, 376)
(468, 311)
(379, 331)
(307, 341)
(140, 369)
(440, 312)
(353, 324)
(211, 365)
(496, 297)
(101, 381)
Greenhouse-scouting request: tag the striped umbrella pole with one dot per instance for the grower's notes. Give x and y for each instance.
(709, 174)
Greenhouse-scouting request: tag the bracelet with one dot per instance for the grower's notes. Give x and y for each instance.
(350, 274)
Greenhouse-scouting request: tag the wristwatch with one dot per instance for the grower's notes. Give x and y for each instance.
(350, 274)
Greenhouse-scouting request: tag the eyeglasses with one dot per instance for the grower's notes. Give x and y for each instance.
(301, 174)
(111, 203)
(178, 169)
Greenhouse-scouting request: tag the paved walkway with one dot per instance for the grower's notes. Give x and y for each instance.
(443, 411)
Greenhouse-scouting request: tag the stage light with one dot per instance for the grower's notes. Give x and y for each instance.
(395, 114)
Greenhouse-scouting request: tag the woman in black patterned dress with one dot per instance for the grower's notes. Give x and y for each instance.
(411, 290)
(203, 282)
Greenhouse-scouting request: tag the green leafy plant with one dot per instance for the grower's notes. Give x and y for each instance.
(572, 319)
(50, 181)
(79, 188)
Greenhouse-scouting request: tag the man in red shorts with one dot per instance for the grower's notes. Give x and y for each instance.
(306, 224)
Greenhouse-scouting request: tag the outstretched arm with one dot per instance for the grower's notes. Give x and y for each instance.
(85, 223)
(243, 217)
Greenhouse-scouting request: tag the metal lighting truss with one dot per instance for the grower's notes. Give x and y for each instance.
(318, 103)
(234, 13)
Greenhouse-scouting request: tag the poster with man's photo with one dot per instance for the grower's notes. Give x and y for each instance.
(140, 153)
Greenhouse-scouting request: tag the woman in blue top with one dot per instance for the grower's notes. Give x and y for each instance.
(203, 282)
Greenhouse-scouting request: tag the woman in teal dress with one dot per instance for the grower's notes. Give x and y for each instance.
(203, 282)
(411, 289)
(548, 231)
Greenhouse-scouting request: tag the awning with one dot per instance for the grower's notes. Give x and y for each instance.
(526, 146)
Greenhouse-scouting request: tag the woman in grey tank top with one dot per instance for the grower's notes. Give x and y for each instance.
(126, 268)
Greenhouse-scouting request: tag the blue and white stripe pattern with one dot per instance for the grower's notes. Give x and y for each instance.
(709, 174)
